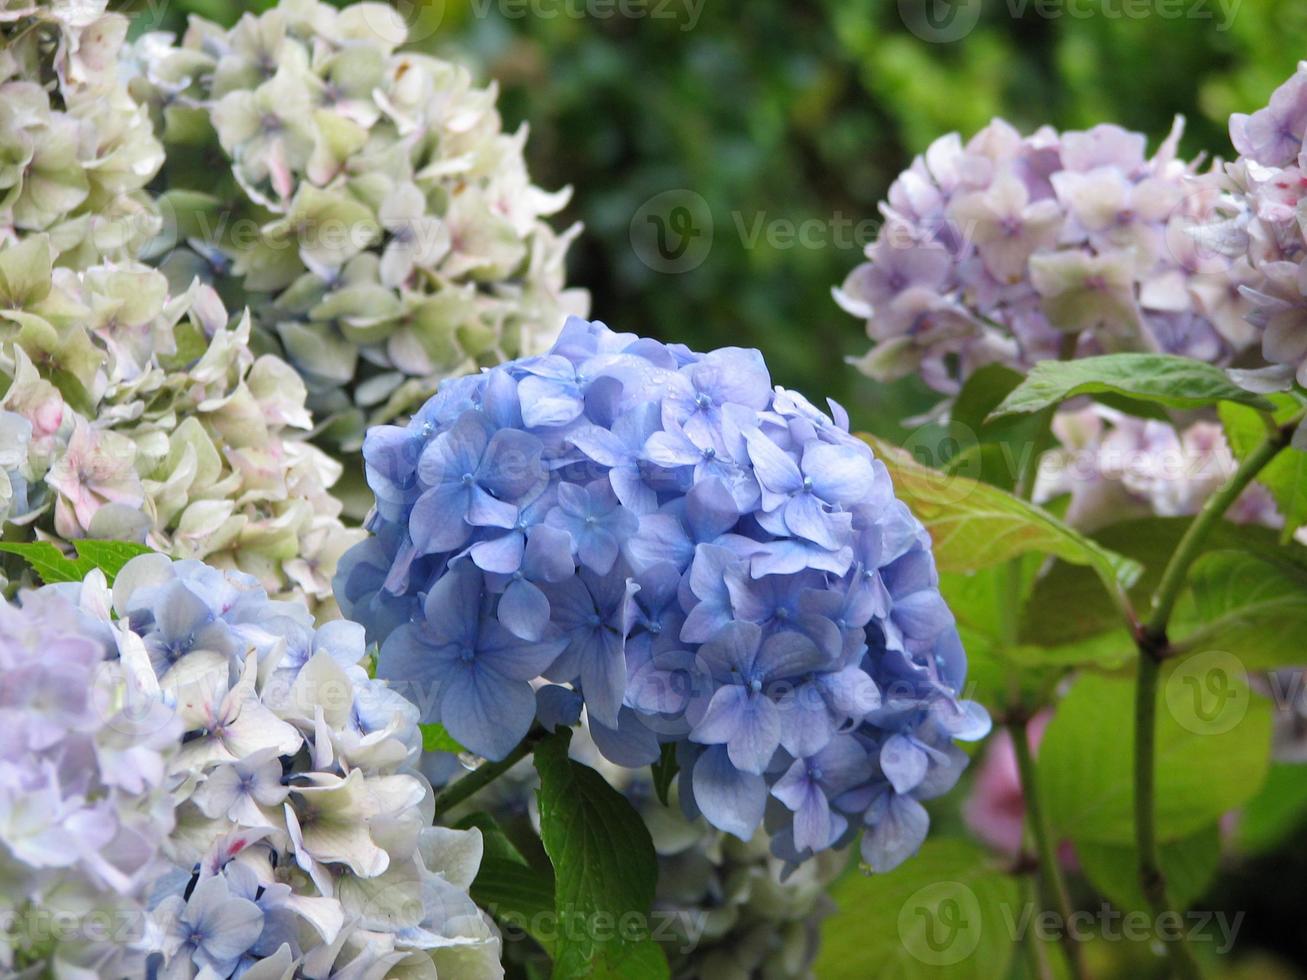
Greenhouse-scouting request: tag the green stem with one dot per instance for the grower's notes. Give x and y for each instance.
(1054, 887)
(1190, 546)
(1154, 647)
(1152, 881)
(485, 774)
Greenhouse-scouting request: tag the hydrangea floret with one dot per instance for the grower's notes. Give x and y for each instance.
(385, 232)
(1010, 248)
(696, 558)
(131, 413)
(302, 844)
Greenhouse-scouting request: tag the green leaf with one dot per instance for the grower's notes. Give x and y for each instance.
(1278, 811)
(436, 739)
(994, 451)
(519, 896)
(1189, 865)
(605, 867)
(1163, 379)
(49, 562)
(1066, 608)
(1247, 606)
(950, 912)
(974, 525)
(664, 772)
(1286, 475)
(495, 843)
(109, 556)
(1213, 742)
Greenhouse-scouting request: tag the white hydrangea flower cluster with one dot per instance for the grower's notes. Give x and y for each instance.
(78, 151)
(136, 414)
(302, 844)
(83, 796)
(384, 228)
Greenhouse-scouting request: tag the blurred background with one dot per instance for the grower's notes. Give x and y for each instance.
(763, 134)
(757, 138)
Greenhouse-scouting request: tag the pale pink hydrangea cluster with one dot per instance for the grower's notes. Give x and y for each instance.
(1115, 467)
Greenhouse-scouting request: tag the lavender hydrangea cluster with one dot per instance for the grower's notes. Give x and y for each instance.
(378, 221)
(1265, 235)
(1013, 248)
(84, 798)
(696, 558)
(296, 831)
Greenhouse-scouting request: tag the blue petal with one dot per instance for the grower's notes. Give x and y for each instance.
(485, 711)
(630, 744)
(502, 555)
(484, 510)
(524, 610)
(548, 556)
(557, 706)
(897, 835)
(455, 451)
(511, 466)
(437, 522)
(903, 762)
(730, 800)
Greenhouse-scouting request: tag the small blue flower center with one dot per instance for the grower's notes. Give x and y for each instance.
(466, 654)
(710, 453)
(755, 685)
(467, 479)
(807, 484)
(702, 400)
(815, 774)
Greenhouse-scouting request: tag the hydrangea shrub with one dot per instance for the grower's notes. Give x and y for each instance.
(378, 221)
(289, 828)
(697, 558)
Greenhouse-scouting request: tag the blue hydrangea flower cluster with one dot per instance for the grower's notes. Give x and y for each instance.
(695, 558)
